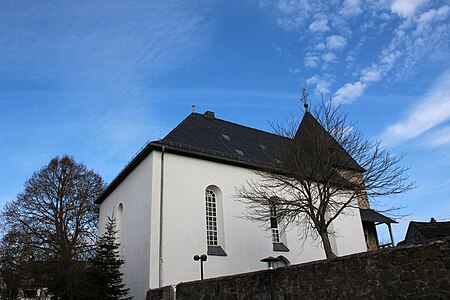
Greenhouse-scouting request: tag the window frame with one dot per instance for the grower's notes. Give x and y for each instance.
(278, 237)
(212, 235)
(214, 221)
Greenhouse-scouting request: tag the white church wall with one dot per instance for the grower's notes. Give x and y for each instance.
(245, 242)
(134, 195)
(348, 225)
(184, 226)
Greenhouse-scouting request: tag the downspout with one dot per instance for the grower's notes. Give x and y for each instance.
(161, 193)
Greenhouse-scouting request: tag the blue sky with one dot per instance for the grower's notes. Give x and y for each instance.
(98, 79)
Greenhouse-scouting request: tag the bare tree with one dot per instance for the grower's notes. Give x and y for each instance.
(324, 168)
(55, 219)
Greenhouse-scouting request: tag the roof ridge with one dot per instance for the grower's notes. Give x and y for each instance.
(245, 126)
(179, 125)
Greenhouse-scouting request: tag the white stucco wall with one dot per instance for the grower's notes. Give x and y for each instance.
(349, 237)
(134, 193)
(245, 242)
(184, 226)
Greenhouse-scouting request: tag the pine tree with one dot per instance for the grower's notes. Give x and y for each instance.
(105, 275)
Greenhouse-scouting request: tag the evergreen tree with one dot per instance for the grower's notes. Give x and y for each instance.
(105, 275)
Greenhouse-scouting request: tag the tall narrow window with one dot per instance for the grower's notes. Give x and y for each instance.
(214, 221)
(211, 218)
(277, 239)
(274, 224)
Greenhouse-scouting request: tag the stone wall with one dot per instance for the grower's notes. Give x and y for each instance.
(406, 272)
(160, 293)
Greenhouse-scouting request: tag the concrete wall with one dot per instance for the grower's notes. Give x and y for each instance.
(407, 272)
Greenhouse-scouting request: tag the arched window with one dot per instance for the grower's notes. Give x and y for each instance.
(211, 218)
(214, 221)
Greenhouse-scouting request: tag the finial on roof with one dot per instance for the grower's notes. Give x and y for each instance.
(305, 99)
(193, 108)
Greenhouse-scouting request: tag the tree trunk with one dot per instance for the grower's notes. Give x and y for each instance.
(327, 246)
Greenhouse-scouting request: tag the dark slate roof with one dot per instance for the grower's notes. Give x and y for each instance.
(310, 125)
(370, 215)
(206, 137)
(205, 133)
(431, 230)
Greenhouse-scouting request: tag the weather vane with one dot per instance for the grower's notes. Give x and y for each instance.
(305, 98)
(193, 107)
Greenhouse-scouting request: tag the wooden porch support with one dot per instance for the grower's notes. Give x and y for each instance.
(390, 233)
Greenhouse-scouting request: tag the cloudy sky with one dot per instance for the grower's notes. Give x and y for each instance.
(98, 79)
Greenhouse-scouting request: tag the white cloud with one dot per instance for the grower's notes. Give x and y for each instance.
(431, 111)
(116, 49)
(368, 25)
(312, 80)
(414, 33)
(322, 85)
(349, 92)
(111, 45)
(439, 138)
(320, 46)
(295, 71)
(406, 8)
(434, 14)
(336, 42)
(350, 58)
(370, 74)
(388, 57)
(329, 57)
(415, 41)
(292, 15)
(319, 25)
(351, 8)
(288, 7)
(311, 60)
(423, 40)
(385, 16)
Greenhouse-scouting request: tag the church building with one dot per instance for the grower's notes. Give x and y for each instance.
(177, 199)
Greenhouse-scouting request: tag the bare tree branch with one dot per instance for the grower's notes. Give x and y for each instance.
(323, 167)
(55, 217)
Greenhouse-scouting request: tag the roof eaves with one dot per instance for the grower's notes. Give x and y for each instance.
(371, 215)
(195, 152)
(186, 150)
(216, 156)
(127, 170)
